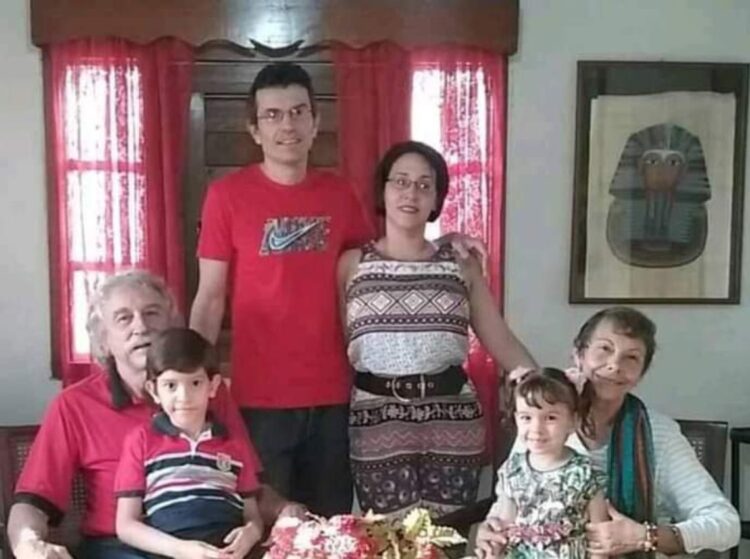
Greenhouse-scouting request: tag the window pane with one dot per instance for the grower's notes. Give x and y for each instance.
(106, 217)
(426, 120)
(103, 113)
(83, 284)
(468, 196)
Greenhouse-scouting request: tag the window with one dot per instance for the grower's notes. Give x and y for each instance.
(104, 180)
(428, 125)
(115, 143)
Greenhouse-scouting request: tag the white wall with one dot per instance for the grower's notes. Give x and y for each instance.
(25, 387)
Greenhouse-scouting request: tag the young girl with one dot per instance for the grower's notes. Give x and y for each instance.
(547, 494)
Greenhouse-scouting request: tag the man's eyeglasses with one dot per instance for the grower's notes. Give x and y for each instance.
(276, 116)
(403, 184)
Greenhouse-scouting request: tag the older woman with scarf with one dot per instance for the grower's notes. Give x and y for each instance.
(661, 498)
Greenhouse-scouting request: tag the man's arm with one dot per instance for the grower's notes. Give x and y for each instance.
(208, 306)
(27, 532)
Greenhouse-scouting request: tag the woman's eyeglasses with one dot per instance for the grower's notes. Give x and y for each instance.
(403, 184)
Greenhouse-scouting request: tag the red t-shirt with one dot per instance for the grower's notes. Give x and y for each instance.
(283, 244)
(83, 431)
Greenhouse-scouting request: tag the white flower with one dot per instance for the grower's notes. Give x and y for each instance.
(304, 539)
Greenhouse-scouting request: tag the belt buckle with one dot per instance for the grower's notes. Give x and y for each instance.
(396, 395)
(422, 384)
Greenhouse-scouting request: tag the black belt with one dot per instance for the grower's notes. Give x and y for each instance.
(446, 383)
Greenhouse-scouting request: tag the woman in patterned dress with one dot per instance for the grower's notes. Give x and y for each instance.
(416, 431)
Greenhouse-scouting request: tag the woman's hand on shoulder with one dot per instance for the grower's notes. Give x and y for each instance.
(465, 245)
(617, 536)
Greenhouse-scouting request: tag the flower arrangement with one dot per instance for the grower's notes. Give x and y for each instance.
(353, 537)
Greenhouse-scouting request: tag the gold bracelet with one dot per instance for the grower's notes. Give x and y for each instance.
(651, 541)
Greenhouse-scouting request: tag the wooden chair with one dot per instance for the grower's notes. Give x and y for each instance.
(708, 439)
(15, 443)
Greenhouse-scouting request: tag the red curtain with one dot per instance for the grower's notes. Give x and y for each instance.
(473, 112)
(117, 124)
(373, 86)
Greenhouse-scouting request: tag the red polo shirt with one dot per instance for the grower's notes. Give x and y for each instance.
(186, 484)
(83, 431)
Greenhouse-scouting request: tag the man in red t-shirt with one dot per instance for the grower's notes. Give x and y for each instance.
(85, 425)
(274, 232)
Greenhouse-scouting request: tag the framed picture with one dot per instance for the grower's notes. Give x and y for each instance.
(659, 181)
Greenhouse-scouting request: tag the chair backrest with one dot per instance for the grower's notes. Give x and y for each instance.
(709, 440)
(15, 443)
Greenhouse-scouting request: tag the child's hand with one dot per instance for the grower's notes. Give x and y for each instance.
(241, 540)
(190, 549)
(491, 540)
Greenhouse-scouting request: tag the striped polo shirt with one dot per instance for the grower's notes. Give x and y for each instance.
(187, 485)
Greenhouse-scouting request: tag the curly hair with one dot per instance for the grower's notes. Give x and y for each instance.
(134, 279)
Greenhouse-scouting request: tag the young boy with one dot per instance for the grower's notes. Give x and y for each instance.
(184, 487)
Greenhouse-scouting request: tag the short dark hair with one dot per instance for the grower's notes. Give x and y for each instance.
(554, 387)
(182, 350)
(433, 158)
(279, 74)
(625, 320)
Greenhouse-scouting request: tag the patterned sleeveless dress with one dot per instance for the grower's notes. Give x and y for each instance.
(410, 318)
(551, 506)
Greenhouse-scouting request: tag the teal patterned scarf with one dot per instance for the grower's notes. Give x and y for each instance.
(631, 464)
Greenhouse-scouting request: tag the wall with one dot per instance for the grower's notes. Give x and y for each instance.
(25, 387)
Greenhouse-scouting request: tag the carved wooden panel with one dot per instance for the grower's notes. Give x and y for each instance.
(488, 24)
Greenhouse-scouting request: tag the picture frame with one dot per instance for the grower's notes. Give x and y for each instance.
(658, 182)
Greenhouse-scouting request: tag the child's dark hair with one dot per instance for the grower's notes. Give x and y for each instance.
(279, 74)
(626, 321)
(180, 349)
(554, 387)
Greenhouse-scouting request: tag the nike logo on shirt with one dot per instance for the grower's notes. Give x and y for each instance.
(278, 241)
(295, 234)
